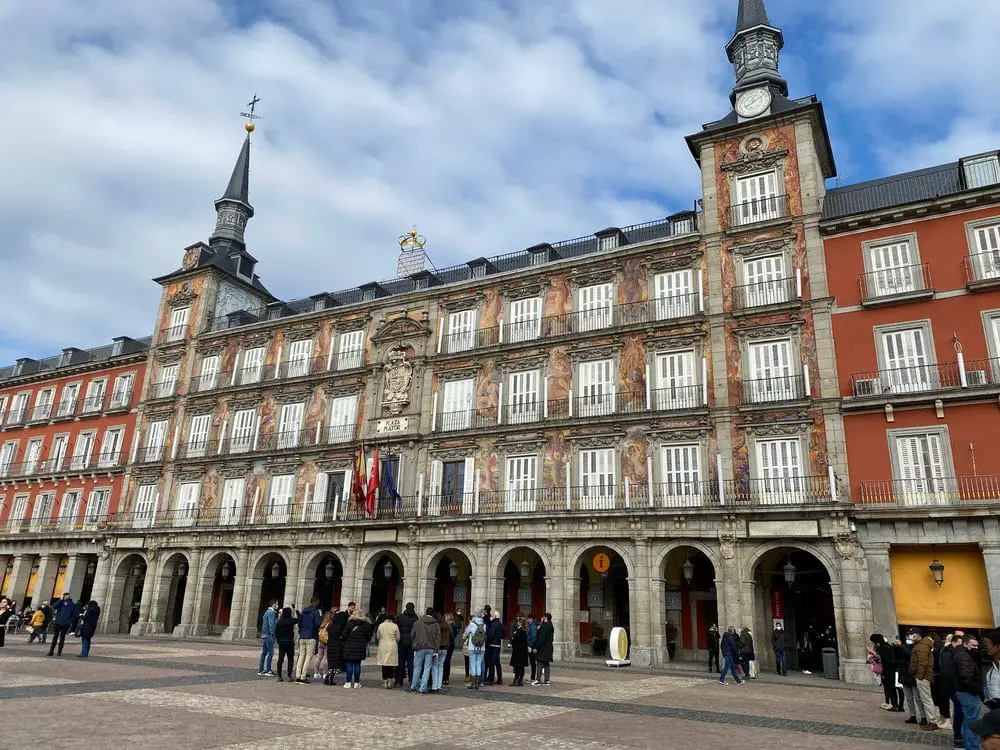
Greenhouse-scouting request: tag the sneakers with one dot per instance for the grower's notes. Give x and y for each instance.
(535, 683)
(357, 684)
(722, 682)
(885, 706)
(261, 674)
(944, 724)
(269, 673)
(347, 685)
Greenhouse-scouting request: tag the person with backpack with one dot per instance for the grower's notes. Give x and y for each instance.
(320, 663)
(474, 638)
(543, 649)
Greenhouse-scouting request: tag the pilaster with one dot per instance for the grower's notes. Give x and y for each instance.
(76, 571)
(991, 559)
(883, 602)
(19, 578)
(238, 615)
(642, 650)
(191, 609)
(48, 569)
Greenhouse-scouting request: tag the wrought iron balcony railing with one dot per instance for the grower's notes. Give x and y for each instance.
(931, 491)
(775, 389)
(895, 282)
(983, 267)
(267, 373)
(906, 380)
(766, 293)
(776, 491)
(759, 210)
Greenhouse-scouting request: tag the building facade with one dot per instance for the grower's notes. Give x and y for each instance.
(914, 266)
(66, 425)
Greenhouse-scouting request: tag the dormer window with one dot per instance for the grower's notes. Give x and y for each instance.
(540, 254)
(244, 266)
(981, 171)
(478, 272)
(682, 225)
(116, 348)
(609, 239)
(368, 295)
(371, 291)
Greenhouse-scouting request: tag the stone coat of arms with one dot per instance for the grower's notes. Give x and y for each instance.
(398, 374)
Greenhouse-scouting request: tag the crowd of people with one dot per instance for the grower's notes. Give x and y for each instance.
(60, 616)
(413, 651)
(738, 656)
(949, 682)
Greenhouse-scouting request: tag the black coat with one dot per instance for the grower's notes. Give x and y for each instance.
(968, 678)
(543, 642)
(356, 636)
(89, 625)
(284, 631)
(713, 640)
(519, 648)
(335, 640)
(406, 622)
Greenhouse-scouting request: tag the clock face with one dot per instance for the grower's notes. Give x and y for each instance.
(753, 103)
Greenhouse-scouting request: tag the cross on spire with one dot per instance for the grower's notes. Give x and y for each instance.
(252, 104)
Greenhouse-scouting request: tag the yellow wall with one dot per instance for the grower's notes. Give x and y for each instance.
(963, 600)
(32, 579)
(57, 588)
(8, 572)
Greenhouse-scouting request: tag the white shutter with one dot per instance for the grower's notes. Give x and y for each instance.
(67, 401)
(597, 479)
(595, 307)
(525, 319)
(244, 422)
(253, 365)
(187, 503)
(892, 270)
(676, 381)
(779, 465)
(345, 498)
(921, 467)
(343, 419)
(764, 281)
(42, 512)
(7, 454)
(155, 439)
(57, 454)
(681, 480)
(280, 498)
(31, 456)
(122, 392)
(674, 296)
(289, 425)
(461, 330)
(469, 490)
(988, 243)
(145, 506)
(597, 391)
(178, 322)
(198, 435)
(299, 358)
(43, 404)
(111, 446)
(457, 411)
(434, 496)
(69, 509)
(18, 513)
(318, 510)
(524, 401)
(209, 373)
(521, 482)
(906, 360)
(97, 506)
(757, 198)
(95, 394)
(232, 501)
(352, 349)
(770, 372)
(167, 383)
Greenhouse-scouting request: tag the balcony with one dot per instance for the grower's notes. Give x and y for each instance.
(41, 413)
(149, 455)
(92, 405)
(929, 492)
(679, 398)
(66, 408)
(778, 491)
(768, 293)
(268, 373)
(894, 285)
(759, 210)
(982, 271)
(775, 390)
(164, 389)
(176, 333)
(15, 417)
(269, 443)
(915, 380)
(120, 401)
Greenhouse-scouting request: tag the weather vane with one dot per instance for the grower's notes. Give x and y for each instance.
(252, 104)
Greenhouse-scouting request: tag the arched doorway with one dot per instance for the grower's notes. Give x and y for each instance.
(387, 585)
(451, 573)
(89, 573)
(132, 575)
(328, 579)
(523, 576)
(793, 586)
(223, 571)
(175, 578)
(691, 603)
(272, 572)
(603, 598)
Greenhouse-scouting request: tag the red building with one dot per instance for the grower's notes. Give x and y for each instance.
(66, 429)
(914, 266)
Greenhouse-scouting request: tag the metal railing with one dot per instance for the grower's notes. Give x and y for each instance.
(64, 465)
(904, 380)
(176, 333)
(267, 373)
(269, 442)
(787, 490)
(72, 408)
(764, 293)
(16, 416)
(759, 210)
(678, 398)
(774, 389)
(41, 413)
(983, 266)
(981, 373)
(892, 282)
(931, 491)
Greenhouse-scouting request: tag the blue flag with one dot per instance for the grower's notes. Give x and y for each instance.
(389, 482)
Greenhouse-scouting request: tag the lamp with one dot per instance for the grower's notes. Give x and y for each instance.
(91, 569)
(453, 570)
(225, 570)
(789, 572)
(275, 570)
(525, 569)
(136, 570)
(387, 569)
(182, 569)
(688, 570)
(937, 570)
(34, 567)
(328, 569)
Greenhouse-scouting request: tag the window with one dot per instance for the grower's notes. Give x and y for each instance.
(32, 454)
(111, 446)
(343, 419)
(765, 282)
(771, 377)
(986, 254)
(893, 268)
(279, 502)
(253, 365)
(231, 508)
(41, 514)
(69, 509)
(352, 350)
(477, 271)
(197, 440)
(461, 331)
(539, 258)
(156, 438)
(907, 364)
(7, 454)
(82, 450)
(145, 506)
(757, 199)
(676, 381)
(168, 381)
(68, 399)
(457, 409)
(597, 388)
(187, 503)
(177, 327)
(97, 507)
(982, 172)
(525, 319)
(521, 482)
(3, 408)
(57, 454)
(680, 483)
(209, 375)
(920, 467)
(244, 426)
(367, 295)
(779, 469)
(18, 408)
(453, 487)
(682, 226)
(597, 478)
(299, 358)
(95, 395)
(595, 307)
(674, 294)
(524, 402)
(18, 512)
(289, 425)
(121, 395)
(43, 404)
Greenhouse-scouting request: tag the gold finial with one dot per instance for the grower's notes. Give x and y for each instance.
(412, 241)
(252, 104)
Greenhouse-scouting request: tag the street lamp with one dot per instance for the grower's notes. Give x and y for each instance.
(136, 570)
(182, 570)
(453, 570)
(688, 570)
(224, 572)
(525, 570)
(328, 569)
(275, 570)
(937, 570)
(91, 569)
(387, 569)
(789, 571)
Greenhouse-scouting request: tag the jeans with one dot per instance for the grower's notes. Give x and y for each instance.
(423, 663)
(404, 668)
(352, 673)
(85, 650)
(533, 663)
(781, 660)
(437, 676)
(971, 706)
(266, 653)
(304, 657)
(913, 702)
(713, 658)
(58, 637)
(957, 717)
(543, 672)
(446, 673)
(476, 663)
(728, 666)
(924, 688)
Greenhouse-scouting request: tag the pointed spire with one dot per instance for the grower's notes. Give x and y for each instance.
(754, 48)
(233, 209)
(751, 13)
(239, 184)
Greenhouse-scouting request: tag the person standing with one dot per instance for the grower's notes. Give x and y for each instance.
(267, 624)
(713, 647)
(922, 670)
(284, 636)
(987, 731)
(387, 656)
(37, 626)
(544, 649)
(779, 642)
(62, 618)
(474, 640)
(532, 638)
(426, 637)
(449, 620)
(991, 652)
(309, 622)
(944, 681)
(5, 614)
(437, 674)
(321, 664)
(356, 637)
(335, 648)
(968, 690)
(404, 670)
(904, 653)
(518, 652)
(47, 612)
(88, 626)
(887, 659)
(730, 648)
(494, 644)
(747, 654)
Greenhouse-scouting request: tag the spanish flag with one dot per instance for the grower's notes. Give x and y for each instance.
(373, 486)
(360, 472)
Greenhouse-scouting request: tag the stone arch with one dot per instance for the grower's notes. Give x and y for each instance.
(373, 590)
(371, 557)
(434, 555)
(576, 553)
(499, 560)
(758, 552)
(170, 587)
(660, 558)
(439, 590)
(213, 609)
(127, 588)
(314, 582)
(513, 594)
(257, 563)
(682, 611)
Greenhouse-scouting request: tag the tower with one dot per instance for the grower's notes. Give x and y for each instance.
(233, 209)
(753, 52)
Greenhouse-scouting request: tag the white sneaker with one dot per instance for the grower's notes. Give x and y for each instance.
(535, 683)
(347, 685)
(261, 674)
(357, 684)
(944, 724)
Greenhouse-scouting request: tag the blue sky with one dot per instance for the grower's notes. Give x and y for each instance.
(491, 125)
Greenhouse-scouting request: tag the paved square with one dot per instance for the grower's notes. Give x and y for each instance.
(166, 694)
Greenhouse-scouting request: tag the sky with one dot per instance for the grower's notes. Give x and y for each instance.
(490, 125)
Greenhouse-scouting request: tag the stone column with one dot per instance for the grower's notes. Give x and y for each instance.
(102, 592)
(411, 573)
(19, 578)
(48, 569)
(855, 617)
(729, 588)
(243, 581)
(480, 590)
(149, 586)
(657, 616)
(294, 582)
(643, 651)
(991, 559)
(555, 601)
(191, 609)
(76, 571)
(883, 603)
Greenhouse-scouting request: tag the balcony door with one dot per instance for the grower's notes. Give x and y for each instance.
(907, 363)
(893, 269)
(676, 383)
(757, 198)
(779, 470)
(920, 460)
(771, 372)
(765, 281)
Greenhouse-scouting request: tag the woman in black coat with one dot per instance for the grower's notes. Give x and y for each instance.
(335, 641)
(88, 626)
(357, 634)
(284, 636)
(518, 652)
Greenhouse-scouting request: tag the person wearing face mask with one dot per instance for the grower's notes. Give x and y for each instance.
(267, 625)
(779, 641)
(922, 669)
(909, 683)
(968, 690)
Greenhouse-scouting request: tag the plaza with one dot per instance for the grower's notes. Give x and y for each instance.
(153, 694)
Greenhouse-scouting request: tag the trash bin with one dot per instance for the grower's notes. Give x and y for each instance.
(830, 670)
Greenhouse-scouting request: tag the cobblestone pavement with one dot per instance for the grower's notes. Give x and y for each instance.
(166, 694)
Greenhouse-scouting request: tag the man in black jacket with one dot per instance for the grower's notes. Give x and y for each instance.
(544, 648)
(713, 647)
(968, 682)
(404, 671)
(779, 642)
(494, 644)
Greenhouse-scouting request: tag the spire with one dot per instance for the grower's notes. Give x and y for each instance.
(239, 184)
(751, 13)
(233, 209)
(754, 48)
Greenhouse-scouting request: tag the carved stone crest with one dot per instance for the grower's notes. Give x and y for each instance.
(754, 161)
(398, 375)
(845, 545)
(184, 296)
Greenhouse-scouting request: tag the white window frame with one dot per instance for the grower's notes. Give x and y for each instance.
(68, 398)
(280, 497)
(674, 294)
(893, 266)
(597, 379)
(7, 455)
(676, 378)
(94, 400)
(199, 429)
(290, 421)
(680, 475)
(454, 393)
(921, 482)
(343, 419)
(97, 507)
(41, 511)
(3, 408)
(779, 469)
(19, 407)
(57, 452)
(595, 306)
(521, 483)
(299, 362)
(984, 248)
(208, 373)
(765, 281)
(981, 171)
(252, 365)
(69, 509)
(18, 512)
(121, 395)
(772, 379)
(231, 504)
(177, 325)
(598, 478)
(156, 439)
(111, 447)
(461, 330)
(525, 320)
(906, 357)
(756, 198)
(524, 397)
(83, 450)
(147, 499)
(30, 461)
(351, 349)
(44, 399)
(188, 495)
(244, 426)
(166, 386)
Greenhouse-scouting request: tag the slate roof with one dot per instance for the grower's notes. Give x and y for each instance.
(897, 190)
(751, 13)
(239, 182)
(103, 353)
(211, 258)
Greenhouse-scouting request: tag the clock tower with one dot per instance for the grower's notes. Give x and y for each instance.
(753, 52)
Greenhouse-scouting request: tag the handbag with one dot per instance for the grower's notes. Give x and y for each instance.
(753, 668)
(29, 630)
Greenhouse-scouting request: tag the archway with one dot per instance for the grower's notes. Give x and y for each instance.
(524, 590)
(451, 573)
(131, 574)
(793, 586)
(328, 579)
(89, 574)
(603, 598)
(691, 603)
(223, 571)
(272, 572)
(174, 577)
(387, 584)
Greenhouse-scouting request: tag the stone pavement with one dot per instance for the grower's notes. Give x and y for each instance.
(154, 694)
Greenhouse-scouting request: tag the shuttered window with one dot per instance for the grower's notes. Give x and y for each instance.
(986, 262)
(457, 409)
(145, 506)
(676, 381)
(299, 358)
(290, 425)
(524, 403)
(197, 442)
(921, 466)
(771, 376)
(764, 281)
(597, 388)
(779, 468)
(597, 478)
(757, 198)
(156, 438)
(279, 502)
(343, 419)
(461, 330)
(252, 369)
(209, 375)
(352, 350)
(595, 307)
(525, 319)
(231, 507)
(244, 423)
(893, 269)
(907, 361)
(680, 481)
(522, 479)
(675, 296)
(187, 503)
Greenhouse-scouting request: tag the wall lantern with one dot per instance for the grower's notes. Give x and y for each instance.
(275, 570)
(136, 570)
(688, 569)
(387, 569)
(453, 570)
(34, 567)
(789, 572)
(91, 569)
(225, 570)
(525, 569)
(182, 569)
(329, 569)
(937, 570)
